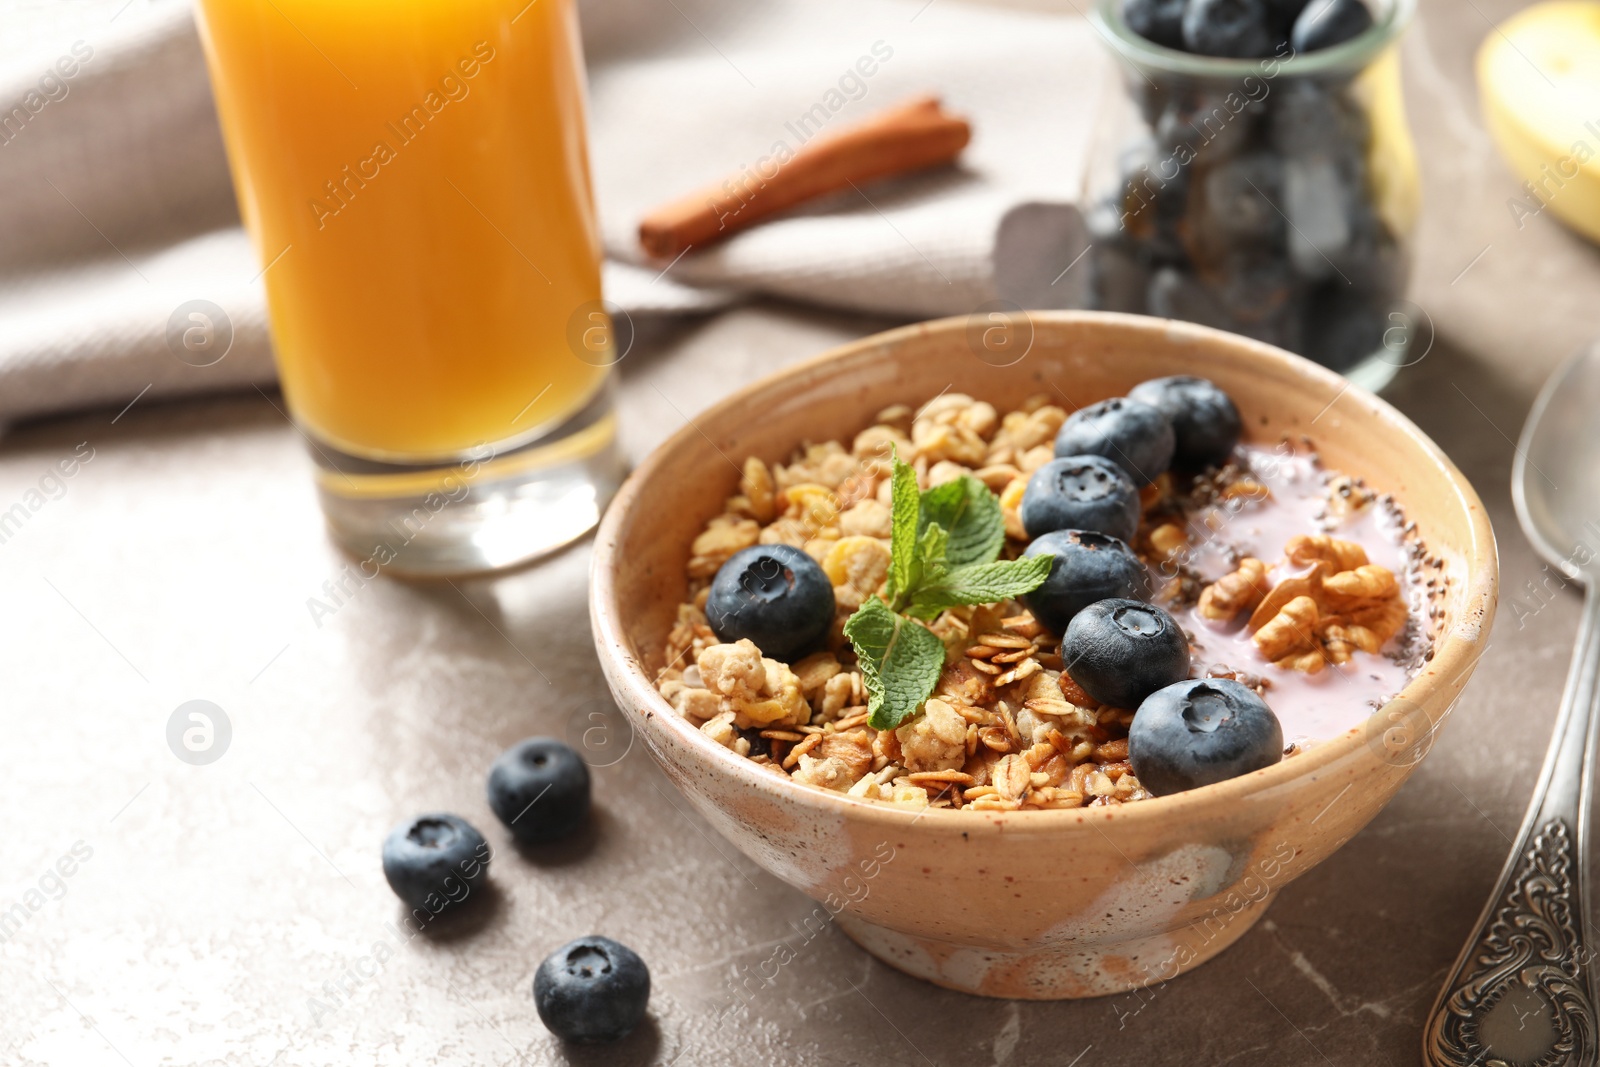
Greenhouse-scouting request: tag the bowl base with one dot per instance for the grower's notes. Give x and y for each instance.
(1063, 973)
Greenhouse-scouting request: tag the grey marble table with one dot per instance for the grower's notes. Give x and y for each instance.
(235, 912)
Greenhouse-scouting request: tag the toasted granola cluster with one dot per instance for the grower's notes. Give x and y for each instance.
(1007, 728)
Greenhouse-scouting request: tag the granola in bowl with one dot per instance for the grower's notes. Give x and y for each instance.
(905, 617)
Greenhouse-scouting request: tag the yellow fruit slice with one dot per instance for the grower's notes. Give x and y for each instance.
(1539, 79)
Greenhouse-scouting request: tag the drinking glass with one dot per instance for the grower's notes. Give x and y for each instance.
(414, 176)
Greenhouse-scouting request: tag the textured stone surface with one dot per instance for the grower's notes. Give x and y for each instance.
(221, 903)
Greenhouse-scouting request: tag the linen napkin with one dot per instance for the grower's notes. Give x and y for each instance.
(119, 214)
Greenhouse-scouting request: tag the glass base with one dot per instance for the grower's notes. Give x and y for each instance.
(487, 511)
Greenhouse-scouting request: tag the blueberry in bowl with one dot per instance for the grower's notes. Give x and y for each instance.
(1205, 423)
(540, 789)
(1088, 567)
(1133, 435)
(1081, 493)
(1120, 651)
(774, 595)
(435, 859)
(1199, 732)
(591, 990)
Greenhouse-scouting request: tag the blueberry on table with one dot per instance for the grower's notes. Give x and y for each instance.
(1199, 732)
(1080, 493)
(774, 595)
(540, 789)
(592, 989)
(434, 859)
(1236, 29)
(1325, 23)
(1120, 651)
(1205, 422)
(1134, 436)
(1088, 567)
(1160, 21)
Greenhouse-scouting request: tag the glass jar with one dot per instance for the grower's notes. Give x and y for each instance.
(1274, 198)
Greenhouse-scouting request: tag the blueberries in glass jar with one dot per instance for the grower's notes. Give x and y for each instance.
(1237, 29)
(1088, 567)
(1199, 732)
(1134, 436)
(1325, 23)
(775, 595)
(1205, 421)
(1160, 21)
(1120, 651)
(1081, 493)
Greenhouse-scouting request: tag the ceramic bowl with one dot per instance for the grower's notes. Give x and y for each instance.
(1038, 904)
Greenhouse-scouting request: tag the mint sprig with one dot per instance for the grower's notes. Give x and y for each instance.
(944, 552)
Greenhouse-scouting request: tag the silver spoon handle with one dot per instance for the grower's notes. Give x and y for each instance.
(1521, 991)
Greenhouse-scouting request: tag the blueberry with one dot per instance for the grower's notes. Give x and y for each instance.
(1120, 651)
(1134, 436)
(1238, 29)
(1325, 23)
(1160, 21)
(1177, 294)
(1204, 419)
(1154, 198)
(434, 859)
(1088, 567)
(1199, 732)
(1081, 493)
(1215, 121)
(1312, 118)
(776, 596)
(540, 789)
(592, 989)
(1282, 14)
(1238, 201)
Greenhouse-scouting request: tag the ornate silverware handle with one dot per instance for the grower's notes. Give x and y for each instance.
(1521, 992)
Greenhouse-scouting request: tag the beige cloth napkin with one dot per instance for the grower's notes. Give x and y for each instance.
(119, 212)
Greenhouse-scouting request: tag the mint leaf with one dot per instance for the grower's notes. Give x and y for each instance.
(928, 564)
(979, 583)
(904, 508)
(971, 513)
(901, 661)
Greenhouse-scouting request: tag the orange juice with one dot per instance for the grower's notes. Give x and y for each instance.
(414, 175)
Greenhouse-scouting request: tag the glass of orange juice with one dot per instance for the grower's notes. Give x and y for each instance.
(414, 175)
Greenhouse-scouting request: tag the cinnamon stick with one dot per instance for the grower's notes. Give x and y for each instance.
(898, 140)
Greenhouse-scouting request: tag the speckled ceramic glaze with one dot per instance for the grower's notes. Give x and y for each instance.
(1040, 904)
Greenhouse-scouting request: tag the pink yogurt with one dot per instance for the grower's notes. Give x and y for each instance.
(1310, 707)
